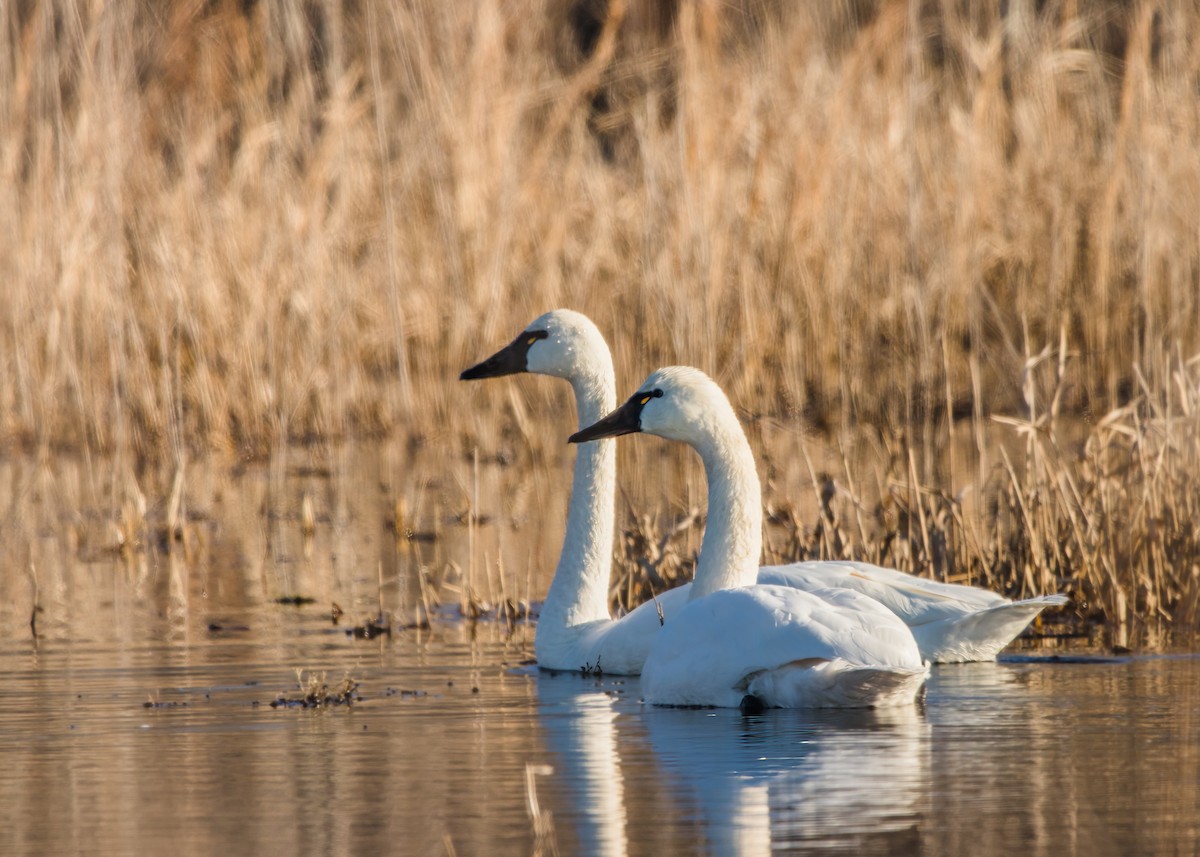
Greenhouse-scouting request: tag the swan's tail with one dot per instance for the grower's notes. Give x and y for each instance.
(837, 684)
(980, 636)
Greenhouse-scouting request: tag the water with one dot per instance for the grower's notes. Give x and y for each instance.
(455, 736)
(458, 746)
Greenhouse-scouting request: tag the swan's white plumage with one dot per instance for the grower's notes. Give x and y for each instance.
(734, 638)
(788, 647)
(951, 623)
(694, 410)
(615, 647)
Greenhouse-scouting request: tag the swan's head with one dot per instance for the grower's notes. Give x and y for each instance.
(562, 343)
(678, 402)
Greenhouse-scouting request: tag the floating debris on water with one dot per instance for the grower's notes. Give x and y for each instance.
(295, 600)
(316, 693)
(371, 628)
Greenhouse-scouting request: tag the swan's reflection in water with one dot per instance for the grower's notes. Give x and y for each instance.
(852, 780)
(580, 721)
(792, 778)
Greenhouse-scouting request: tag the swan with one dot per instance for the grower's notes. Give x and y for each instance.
(952, 623)
(737, 643)
(575, 630)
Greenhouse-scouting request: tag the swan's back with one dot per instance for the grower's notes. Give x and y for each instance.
(952, 623)
(914, 599)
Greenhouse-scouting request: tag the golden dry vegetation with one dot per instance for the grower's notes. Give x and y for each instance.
(229, 226)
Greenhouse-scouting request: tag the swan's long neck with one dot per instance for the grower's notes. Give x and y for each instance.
(579, 592)
(732, 542)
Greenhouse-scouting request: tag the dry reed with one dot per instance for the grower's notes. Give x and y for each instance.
(233, 225)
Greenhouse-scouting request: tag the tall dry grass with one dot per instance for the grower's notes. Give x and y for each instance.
(231, 225)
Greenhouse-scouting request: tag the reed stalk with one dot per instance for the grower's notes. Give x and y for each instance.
(232, 226)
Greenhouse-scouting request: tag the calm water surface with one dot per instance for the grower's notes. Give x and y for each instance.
(458, 745)
(456, 741)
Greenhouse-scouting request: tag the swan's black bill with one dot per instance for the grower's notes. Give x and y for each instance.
(509, 360)
(626, 419)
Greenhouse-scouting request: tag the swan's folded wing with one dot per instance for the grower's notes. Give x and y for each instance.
(914, 599)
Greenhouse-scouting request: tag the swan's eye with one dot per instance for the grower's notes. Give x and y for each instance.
(646, 397)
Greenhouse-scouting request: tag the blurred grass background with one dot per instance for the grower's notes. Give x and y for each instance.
(229, 226)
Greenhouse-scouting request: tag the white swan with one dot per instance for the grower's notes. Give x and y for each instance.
(951, 622)
(737, 643)
(575, 630)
